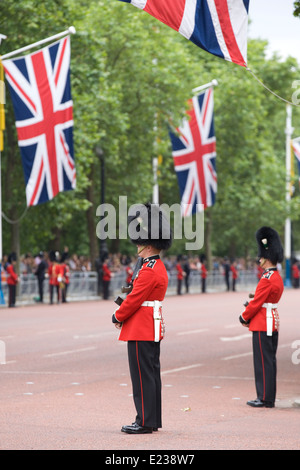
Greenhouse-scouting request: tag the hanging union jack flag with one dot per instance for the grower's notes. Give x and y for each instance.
(194, 155)
(41, 94)
(217, 26)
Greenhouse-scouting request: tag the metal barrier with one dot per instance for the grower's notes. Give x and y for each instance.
(85, 285)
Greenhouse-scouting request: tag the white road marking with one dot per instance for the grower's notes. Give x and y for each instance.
(73, 351)
(228, 358)
(191, 332)
(180, 369)
(236, 338)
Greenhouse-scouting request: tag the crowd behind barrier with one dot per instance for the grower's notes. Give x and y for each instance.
(187, 274)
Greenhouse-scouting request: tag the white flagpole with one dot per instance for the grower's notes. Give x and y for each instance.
(204, 87)
(2, 36)
(2, 96)
(70, 30)
(288, 226)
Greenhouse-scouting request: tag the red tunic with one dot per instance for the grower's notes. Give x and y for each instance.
(54, 272)
(106, 276)
(12, 277)
(296, 271)
(268, 290)
(65, 270)
(234, 272)
(179, 272)
(203, 272)
(151, 284)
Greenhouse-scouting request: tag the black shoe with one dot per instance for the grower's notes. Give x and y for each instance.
(256, 403)
(136, 429)
(260, 403)
(269, 404)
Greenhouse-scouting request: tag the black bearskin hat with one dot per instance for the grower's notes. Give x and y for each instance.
(148, 225)
(53, 256)
(269, 245)
(12, 257)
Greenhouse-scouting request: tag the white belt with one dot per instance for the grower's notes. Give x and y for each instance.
(269, 307)
(156, 305)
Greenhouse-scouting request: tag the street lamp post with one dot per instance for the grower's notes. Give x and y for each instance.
(102, 243)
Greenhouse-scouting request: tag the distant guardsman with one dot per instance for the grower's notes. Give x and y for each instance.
(12, 279)
(140, 317)
(262, 318)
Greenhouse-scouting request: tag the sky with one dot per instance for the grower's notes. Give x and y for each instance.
(273, 20)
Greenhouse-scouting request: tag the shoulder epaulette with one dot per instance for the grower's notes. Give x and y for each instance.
(151, 263)
(267, 275)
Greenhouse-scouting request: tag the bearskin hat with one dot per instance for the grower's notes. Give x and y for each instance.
(148, 225)
(12, 257)
(54, 256)
(269, 245)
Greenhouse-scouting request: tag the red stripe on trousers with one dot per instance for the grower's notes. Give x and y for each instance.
(263, 365)
(141, 384)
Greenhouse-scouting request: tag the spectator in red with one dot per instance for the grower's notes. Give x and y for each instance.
(234, 273)
(259, 271)
(295, 274)
(129, 273)
(203, 273)
(12, 279)
(180, 274)
(55, 276)
(106, 277)
(65, 273)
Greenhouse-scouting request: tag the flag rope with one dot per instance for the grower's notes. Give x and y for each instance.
(271, 91)
(10, 221)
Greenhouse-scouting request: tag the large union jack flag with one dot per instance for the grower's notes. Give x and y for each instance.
(217, 26)
(194, 155)
(41, 94)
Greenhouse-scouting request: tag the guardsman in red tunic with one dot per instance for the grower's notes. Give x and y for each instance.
(180, 274)
(295, 274)
(12, 279)
(106, 277)
(234, 273)
(65, 277)
(261, 317)
(140, 317)
(203, 273)
(55, 276)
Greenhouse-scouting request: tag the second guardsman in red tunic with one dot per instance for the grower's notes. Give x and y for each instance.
(262, 318)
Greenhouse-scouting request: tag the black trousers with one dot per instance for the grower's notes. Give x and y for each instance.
(105, 285)
(144, 365)
(51, 292)
(41, 288)
(12, 295)
(265, 367)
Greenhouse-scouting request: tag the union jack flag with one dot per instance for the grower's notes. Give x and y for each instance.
(217, 26)
(194, 155)
(41, 94)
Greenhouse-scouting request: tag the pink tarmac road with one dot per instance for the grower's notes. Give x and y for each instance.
(66, 384)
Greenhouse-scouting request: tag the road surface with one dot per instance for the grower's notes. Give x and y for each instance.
(66, 386)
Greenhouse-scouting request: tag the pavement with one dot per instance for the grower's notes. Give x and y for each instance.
(65, 383)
